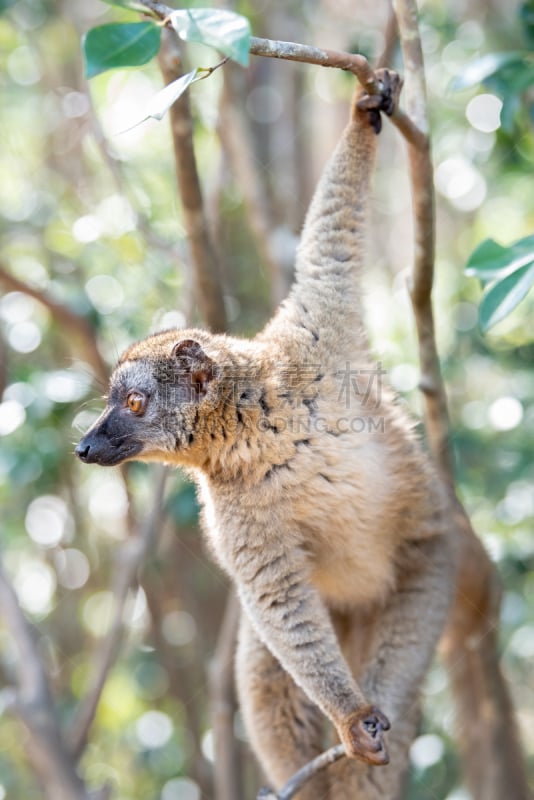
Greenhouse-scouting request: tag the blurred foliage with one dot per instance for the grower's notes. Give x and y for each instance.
(92, 219)
(506, 272)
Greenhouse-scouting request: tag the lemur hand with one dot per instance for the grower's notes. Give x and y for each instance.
(362, 735)
(390, 85)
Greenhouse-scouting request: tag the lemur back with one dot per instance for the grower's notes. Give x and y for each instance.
(317, 498)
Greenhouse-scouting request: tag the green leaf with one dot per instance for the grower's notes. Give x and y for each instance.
(491, 261)
(131, 4)
(227, 32)
(504, 295)
(163, 100)
(526, 15)
(487, 257)
(511, 106)
(127, 44)
(481, 68)
(515, 76)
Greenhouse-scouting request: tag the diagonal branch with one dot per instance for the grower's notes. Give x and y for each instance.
(488, 738)
(34, 705)
(291, 51)
(336, 59)
(129, 561)
(208, 288)
(115, 167)
(236, 141)
(297, 781)
(222, 702)
(211, 303)
(73, 322)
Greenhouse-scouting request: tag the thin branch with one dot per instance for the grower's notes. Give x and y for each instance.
(235, 137)
(129, 561)
(35, 707)
(414, 69)
(73, 322)
(422, 177)
(391, 37)
(210, 300)
(184, 677)
(222, 702)
(208, 289)
(413, 135)
(477, 596)
(291, 51)
(350, 62)
(297, 781)
(115, 167)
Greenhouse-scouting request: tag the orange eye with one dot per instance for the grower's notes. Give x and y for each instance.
(136, 402)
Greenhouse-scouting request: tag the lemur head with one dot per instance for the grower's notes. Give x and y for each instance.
(162, 395)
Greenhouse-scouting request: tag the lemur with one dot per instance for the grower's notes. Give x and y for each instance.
(318, 499)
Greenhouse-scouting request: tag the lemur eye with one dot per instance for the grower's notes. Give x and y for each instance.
(136, 402)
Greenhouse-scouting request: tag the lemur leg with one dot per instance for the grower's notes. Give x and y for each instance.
(286, 729)
(401, 646)
(490, 748)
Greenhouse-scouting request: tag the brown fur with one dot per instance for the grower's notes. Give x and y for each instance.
(326, 513)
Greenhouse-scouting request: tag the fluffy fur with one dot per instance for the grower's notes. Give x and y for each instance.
(317, 499)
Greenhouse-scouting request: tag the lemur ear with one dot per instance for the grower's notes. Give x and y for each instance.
(192, 360)
(187, 350)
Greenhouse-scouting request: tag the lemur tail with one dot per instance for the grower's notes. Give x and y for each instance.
(492, 760)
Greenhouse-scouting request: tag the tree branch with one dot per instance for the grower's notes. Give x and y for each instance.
(414, 69)
(391, 38)
(115, 167)
(69, 319)
(235, 138)
(35, 707)
(474, 616)
(129, 561)
(222, 702)
(350, 62)
(291, 51)
(422, 178)
(210, 300)
(208, 289)
(297, 781)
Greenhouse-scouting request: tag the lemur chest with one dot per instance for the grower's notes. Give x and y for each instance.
(349, 540)
(333, 502)
(358, 574)
(340, 504)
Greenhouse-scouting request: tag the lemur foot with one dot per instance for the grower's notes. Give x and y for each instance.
(390, 85)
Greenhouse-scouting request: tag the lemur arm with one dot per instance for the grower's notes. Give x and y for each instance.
(330, 255)
(288, 615)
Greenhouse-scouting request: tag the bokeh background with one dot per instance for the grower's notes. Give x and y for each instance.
(91, 220)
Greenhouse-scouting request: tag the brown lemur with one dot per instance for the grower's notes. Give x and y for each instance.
(317, 497)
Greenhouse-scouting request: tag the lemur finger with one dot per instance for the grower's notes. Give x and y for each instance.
(375, 120)
(369, 101)
(391, 85)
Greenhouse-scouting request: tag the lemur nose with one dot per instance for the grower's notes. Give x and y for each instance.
(82, 451)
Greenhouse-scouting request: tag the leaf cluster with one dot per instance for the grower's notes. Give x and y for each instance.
(507, 274)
